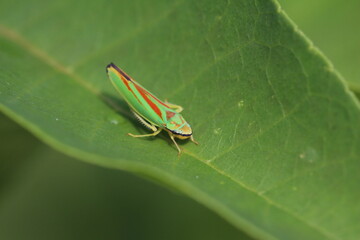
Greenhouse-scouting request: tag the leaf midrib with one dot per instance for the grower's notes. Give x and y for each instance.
(22, 42)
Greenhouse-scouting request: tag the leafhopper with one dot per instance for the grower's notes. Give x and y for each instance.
(152, 112)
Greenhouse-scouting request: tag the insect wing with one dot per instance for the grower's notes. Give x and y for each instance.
(140, 100)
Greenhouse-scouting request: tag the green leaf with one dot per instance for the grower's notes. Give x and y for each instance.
(278, 130)
(50, 196)
(329, 24)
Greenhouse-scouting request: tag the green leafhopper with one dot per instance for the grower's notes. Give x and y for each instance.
(152, 112)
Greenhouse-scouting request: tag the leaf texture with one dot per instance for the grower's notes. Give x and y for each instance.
(278, 130)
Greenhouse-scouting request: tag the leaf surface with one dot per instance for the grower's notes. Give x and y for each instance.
(278, 130)
(47, 195)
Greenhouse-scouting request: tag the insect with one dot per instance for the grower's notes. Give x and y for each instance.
(152, 112)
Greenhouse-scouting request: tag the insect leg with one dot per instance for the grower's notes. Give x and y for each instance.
(146, 124)
(146, 135)
(177, 146)
(177, 108)
(193, 140)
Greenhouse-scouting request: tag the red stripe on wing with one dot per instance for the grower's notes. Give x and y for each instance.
(158, 100)
(144, 93)
(169, 115)
(125, 78)
(125, 82)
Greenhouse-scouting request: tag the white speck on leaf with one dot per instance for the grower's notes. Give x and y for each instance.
(56, 119)
(197, 177)
(114, 121)
(240, 103)
(217, 131)
(310, 155)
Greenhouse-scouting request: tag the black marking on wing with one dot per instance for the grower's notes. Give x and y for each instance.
(119, 70)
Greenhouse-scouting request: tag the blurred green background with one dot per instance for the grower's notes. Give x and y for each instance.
(46, 195)
(333, 26)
